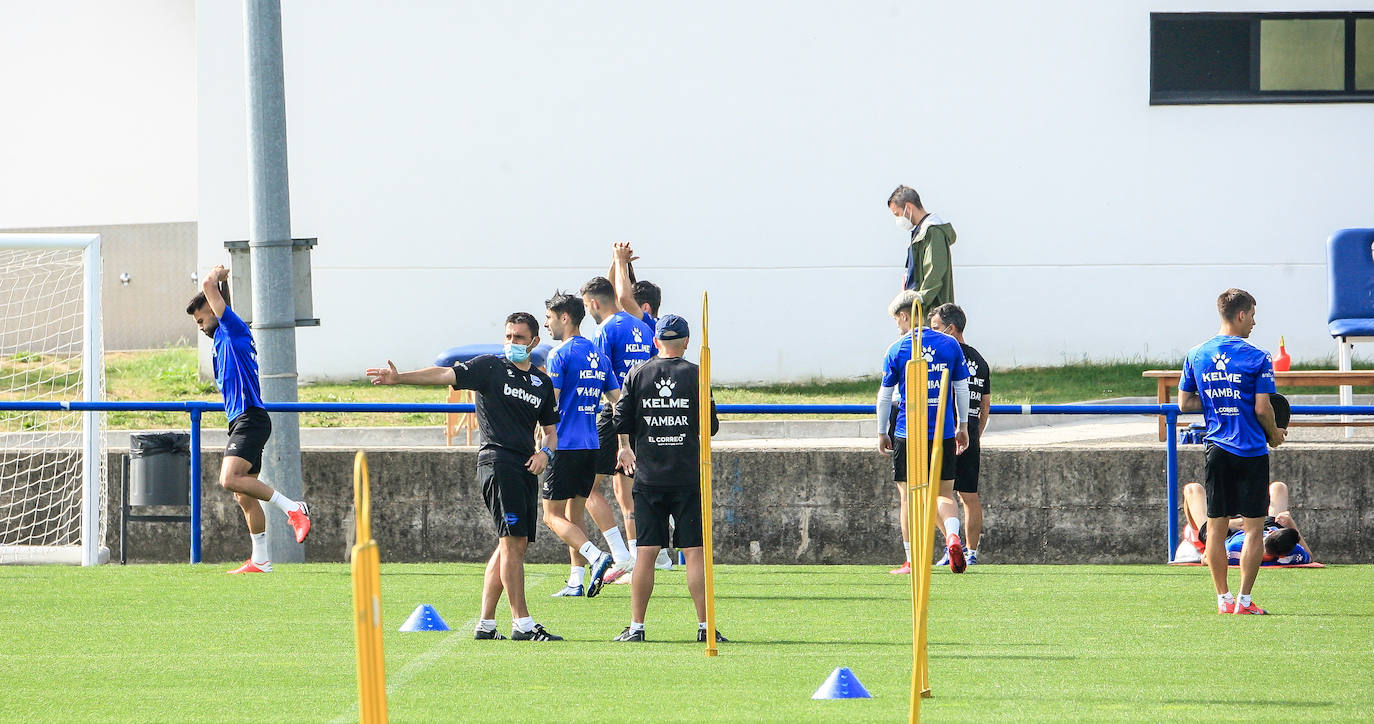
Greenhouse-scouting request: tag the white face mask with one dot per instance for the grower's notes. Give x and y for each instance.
(904, 223)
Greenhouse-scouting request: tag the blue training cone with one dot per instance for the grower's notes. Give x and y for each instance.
(424, 618)
(842, 684)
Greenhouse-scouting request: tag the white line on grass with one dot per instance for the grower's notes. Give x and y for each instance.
(424, 660)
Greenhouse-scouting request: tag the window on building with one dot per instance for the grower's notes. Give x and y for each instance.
(1261, 58)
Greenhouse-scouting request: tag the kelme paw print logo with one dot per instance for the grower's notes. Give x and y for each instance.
(639, 338)
(927, 354)
(592, 360)
(665, 387)
(1221, 360)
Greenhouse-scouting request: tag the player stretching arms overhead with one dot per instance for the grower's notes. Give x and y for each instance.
(623, 342)
(512, 396)
(640, 299)
(236, 373)
(579, 381)
(1230, 381)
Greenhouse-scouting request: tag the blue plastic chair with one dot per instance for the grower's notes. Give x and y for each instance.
(466, 423)
(1350, 290)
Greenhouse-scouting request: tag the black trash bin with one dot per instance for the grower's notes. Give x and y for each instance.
(157, 472)
(159, 468)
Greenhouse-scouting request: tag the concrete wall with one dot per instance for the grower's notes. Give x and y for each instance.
(1043, 505)
(149, 311)
(477, 156)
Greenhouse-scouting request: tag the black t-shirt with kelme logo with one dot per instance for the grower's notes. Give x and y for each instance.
(978, 382)
(510, 402)
(659, 409)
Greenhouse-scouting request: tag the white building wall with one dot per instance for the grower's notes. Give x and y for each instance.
(98, 119)
(460, 161)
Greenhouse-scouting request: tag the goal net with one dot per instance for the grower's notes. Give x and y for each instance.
(52, 461)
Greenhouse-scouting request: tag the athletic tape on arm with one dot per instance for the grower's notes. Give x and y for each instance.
(961, 401)
(884, 408)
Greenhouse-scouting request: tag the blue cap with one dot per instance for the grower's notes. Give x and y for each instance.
(671, 326)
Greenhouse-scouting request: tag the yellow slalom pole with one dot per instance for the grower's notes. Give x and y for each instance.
(704, 423)
(367, 603)
(932, 496)
(917, 373)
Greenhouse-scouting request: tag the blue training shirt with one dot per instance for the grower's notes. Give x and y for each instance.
(1227, 372)
(942, 352)
(625, 342)
(1236, 541)
(580, 377)
(236, 365)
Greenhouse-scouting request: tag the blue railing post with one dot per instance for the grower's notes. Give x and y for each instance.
(1171, 468)
(195, 485)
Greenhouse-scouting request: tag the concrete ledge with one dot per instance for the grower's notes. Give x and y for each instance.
(1101, 503)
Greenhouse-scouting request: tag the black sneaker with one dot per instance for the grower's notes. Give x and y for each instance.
(480, 635)
(701, 637)
(628, 635)
(536, 634)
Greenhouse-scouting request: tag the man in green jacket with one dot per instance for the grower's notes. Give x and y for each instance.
(929, 271)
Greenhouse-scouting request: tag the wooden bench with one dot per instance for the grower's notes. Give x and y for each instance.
(1166, 380)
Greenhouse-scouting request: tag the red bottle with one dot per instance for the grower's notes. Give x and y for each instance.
(1282, 362)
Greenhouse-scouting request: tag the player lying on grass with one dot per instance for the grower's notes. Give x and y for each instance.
(579, 380)
(660, 409)
(512, 397)
(235, 360)
(1283, 544)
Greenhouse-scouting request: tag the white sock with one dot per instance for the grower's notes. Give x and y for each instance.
(523, 625)
(1225, 599)
(575, 576)
(1243, 600)
(590, 552)
(636, 626)
(952, 525)
(907, 546)
(283, 503)
(618, 550)
(972, 552)
(701, 625)
(634, 549)
(259, 547)
(486, 624)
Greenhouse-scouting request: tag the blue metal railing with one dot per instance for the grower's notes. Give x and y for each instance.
(197, 409)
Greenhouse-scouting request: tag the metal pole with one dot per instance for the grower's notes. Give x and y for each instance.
(1171, 473)
(195, 485)
(274, 297)
(92, 373)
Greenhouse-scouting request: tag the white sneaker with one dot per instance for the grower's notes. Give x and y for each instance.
(664, 561)
(619, 571)
(944, 561)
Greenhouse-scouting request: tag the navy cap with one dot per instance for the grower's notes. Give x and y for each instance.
(671, 326)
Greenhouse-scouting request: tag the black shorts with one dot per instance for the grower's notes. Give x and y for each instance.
(653, 507)
(512, 495)
(966, 465)
(605, 434)
(947, 462)
(571, 475)
(1236, 485)
(248, 435)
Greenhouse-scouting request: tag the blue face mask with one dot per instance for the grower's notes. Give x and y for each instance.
(517, 353)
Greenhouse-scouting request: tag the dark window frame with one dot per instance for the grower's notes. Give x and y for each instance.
(1253, 95)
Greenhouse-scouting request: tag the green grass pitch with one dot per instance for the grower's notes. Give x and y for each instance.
(182, 643)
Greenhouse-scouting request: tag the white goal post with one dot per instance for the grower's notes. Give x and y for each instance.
(64, 521)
